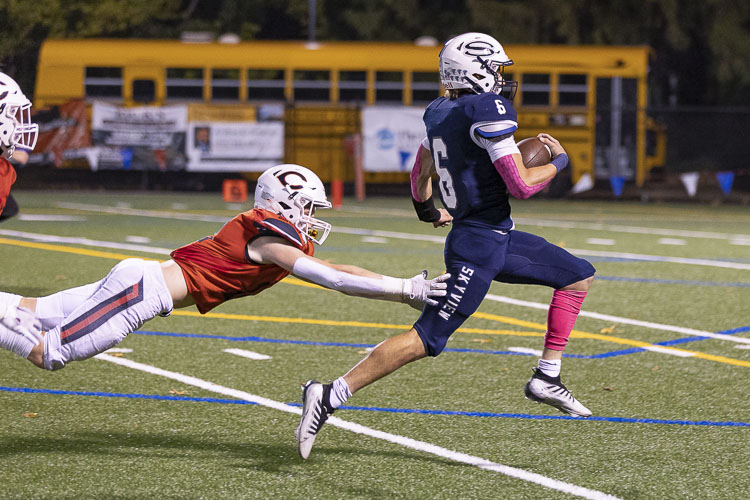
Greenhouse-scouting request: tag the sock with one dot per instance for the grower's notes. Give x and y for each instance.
(561, 316)
(339, 392)
(550, 367)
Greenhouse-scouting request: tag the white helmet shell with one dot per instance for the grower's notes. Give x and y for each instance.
(294, 192)
(475, 61)
(16, 128)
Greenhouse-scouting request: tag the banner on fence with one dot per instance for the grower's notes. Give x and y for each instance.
(63, 134)
(391, 137)
(234, 146)
(142, 138)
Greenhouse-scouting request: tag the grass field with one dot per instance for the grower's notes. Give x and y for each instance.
(175, 416)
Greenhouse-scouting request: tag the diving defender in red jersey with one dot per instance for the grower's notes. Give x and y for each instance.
(252, 252)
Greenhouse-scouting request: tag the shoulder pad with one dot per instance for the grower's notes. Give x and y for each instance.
(272, 226)
(492, 108)
(494, 130)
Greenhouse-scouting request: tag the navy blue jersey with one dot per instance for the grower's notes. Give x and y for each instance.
(471, 189)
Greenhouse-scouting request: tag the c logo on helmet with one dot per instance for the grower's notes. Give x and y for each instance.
(282, 177)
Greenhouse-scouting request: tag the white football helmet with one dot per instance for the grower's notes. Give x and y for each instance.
(476, 61)
(294, 192)
(16, 128)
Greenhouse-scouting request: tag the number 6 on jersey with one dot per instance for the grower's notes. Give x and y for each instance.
(440, 156)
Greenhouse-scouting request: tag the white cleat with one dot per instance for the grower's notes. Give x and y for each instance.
(550, 390)
(315, 412)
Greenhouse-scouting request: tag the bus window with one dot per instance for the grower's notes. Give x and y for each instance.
(265, 84)
(225, 84)
(144, 90)
(535, 89)
(103, 82)
(572, 90)
(185, 83)
(425, 87)
(389, 87)
(352, 86)
(312, 85)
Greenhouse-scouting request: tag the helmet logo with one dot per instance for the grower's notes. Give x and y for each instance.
(282, 177)
(479, 48)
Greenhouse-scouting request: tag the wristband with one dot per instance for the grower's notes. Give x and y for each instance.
(426, 210)
(560, 161)
(393, 289)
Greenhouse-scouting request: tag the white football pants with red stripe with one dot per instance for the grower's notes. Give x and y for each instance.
(132, 293)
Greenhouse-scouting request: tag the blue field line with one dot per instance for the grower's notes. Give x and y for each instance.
(673, 282)
(665, 343)
(523, 416)
(608, 354)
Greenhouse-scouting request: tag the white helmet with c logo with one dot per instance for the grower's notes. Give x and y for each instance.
(294, 192)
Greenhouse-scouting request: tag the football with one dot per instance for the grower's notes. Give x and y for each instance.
(535, 153)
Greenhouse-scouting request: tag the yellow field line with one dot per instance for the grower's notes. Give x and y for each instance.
(64, 249)
(330, 322)
(610, 338)
(295, 281)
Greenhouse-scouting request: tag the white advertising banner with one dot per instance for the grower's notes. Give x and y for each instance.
(391, 137)
(234, 146)
(143, 138)
(145, 126)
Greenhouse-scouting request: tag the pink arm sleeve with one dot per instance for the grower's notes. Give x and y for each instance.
(415, 171)
(506, 167)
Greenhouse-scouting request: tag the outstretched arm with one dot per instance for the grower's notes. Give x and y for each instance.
(347, 279)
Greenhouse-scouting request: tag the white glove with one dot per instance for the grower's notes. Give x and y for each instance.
(22, 321)
(418, 290)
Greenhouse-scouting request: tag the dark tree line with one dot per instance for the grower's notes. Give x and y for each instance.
(701, 48)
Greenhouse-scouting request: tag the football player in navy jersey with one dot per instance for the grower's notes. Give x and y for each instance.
(470, 146)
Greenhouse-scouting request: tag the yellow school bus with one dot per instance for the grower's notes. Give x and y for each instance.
(593, 99)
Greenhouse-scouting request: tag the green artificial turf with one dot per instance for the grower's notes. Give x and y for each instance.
(664, 426)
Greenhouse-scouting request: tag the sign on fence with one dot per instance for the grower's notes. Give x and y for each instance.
(391, 137)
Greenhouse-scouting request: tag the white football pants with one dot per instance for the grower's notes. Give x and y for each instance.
(132, 293)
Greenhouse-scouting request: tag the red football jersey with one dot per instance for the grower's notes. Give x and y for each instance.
(7, 178)
(217, 268)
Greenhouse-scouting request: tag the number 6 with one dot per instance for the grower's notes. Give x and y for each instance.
(440, 152)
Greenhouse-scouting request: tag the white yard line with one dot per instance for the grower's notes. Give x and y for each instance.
(600, 241)
(497, 298)
(367, 431)
(626, 321)
(672, 241)
(671, 352)
(247, 354)
(51, 218)
(123, 210)
(593, 226)
(681, 233)
(526, 350)
(438, 239)
(48, 238)
(661, 258)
